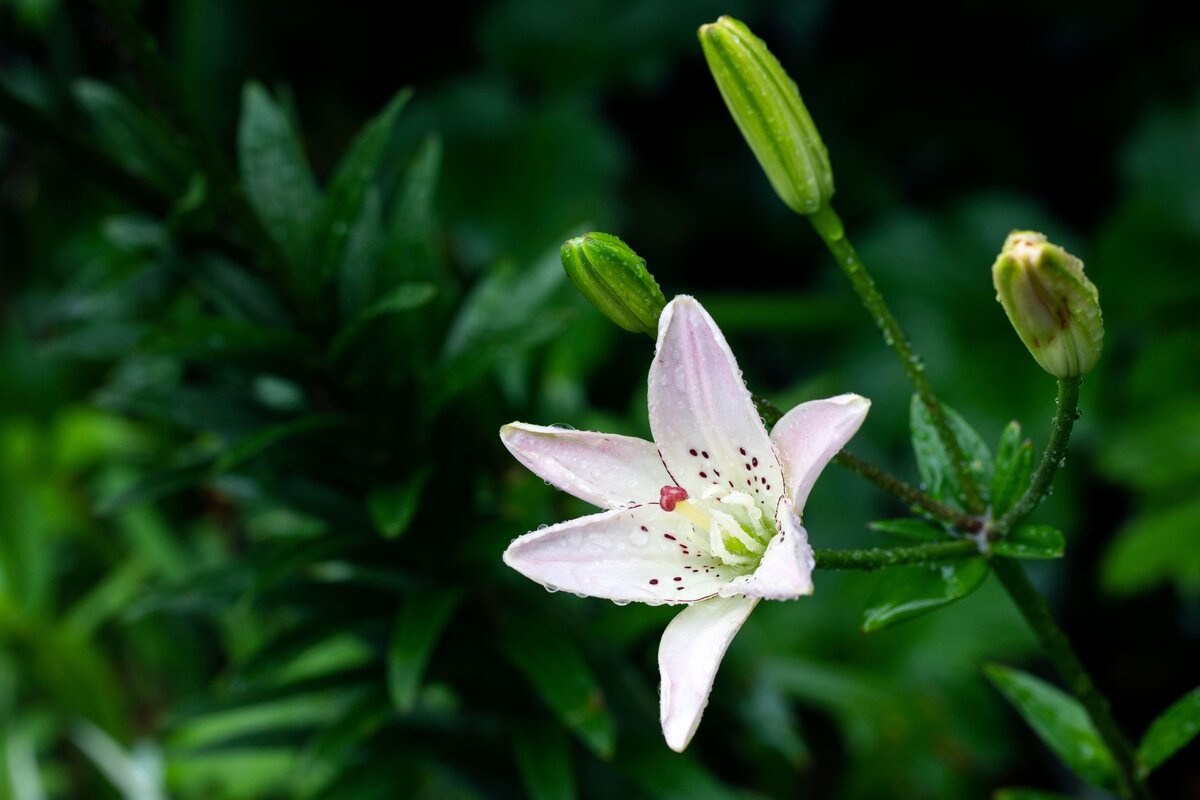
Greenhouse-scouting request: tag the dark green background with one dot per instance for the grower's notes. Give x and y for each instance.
(217, 600)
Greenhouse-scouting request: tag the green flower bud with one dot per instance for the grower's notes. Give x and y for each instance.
(615, 280)
(1051, 303)
(767, 108)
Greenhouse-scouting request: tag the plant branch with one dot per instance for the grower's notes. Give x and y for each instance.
(829, 227)
(908, 493)
(1036, 611)
(880, 557)
(1053, 457)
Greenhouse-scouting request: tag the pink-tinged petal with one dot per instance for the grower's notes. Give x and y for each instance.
(811, 434)
(603, 469)
(639, 554)
(785, 572)
(704, 422)
(691, 649)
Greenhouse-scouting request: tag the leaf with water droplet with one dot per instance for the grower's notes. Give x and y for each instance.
(902, 593)
(933, 462)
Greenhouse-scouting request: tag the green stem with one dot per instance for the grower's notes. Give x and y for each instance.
(1054, 642)
(1052, 458)
(902, 490)
(829, 226)
(880, 557)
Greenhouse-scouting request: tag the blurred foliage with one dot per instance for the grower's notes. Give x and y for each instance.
(252, 500)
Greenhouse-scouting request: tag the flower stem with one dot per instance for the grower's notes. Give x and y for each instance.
(829, 226)
(1052, 458)
(880, 557)
(1036, 611)
(902, 490)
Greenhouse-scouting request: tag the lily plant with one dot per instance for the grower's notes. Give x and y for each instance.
(708, 515)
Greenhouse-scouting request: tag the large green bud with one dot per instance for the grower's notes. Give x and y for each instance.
(615, 280)
(1051, 303)
(767, 108)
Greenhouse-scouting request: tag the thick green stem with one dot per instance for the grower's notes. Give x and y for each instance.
(880, 557)
(829, 227)
(1052, 458)
(1054, 642)
(906, 492)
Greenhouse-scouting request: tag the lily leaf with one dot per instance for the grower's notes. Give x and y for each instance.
(422, 617)
(406, 297)
(256, 443)
(1059, 720)
(1172, 731)
(1021, 793)
(915, 530)
(933, 464)
(1032, 541)
(279, 182)
(1014, 468)
(544, 758)
(561, 677)
(907, 592)
(393, 507)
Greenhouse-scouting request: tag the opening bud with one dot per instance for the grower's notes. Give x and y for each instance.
(1051, 303)
(615, 280)
(767, 108)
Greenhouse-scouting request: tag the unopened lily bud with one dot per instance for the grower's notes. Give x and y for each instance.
(767, 108)
(1051, 303)
(615, 280)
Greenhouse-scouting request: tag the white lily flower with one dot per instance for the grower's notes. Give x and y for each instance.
(708, 514)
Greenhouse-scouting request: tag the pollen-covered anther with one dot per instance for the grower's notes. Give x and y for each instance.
(670, 496)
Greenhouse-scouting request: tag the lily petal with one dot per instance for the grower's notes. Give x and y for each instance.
(604, 469)
(638, 554)
(704, 422)
(811, 434)
(785, 572)
(691, 649)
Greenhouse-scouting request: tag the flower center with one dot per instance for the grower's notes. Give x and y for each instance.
(727, 524)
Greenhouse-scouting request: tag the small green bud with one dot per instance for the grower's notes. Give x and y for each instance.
(767, 108)
(615, 280)
(1051, 303)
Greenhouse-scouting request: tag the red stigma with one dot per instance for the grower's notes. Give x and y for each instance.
(668, 496)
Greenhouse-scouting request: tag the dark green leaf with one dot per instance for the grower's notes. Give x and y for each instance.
(392, 507)
(422, 617)
(912, 529)
(544, 758)
(1059, 720)
(1172, 731)
(1014, 467)
(906, 592)
(560, 676)
(358, 279)
(937, 473)
(405, 297)
(411, 226)
(1019, 793)
(190, 471)
(671, 778)
(279, 183)
(256, 443)
(347, 193)
(136, 139)
(1032, 541)
(1158, 545)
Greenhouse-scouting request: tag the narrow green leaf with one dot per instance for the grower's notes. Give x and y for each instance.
(347, 193)
(544, 759)
(422, 617)
(1032, 541)
(392, 507)
(912, 529)
(141, 143)
(1159, 545)
(1014, 467)
(671, 777)
(937, 473)
(906, 592)
(173, 478)
(1021, 793)
(1059, 720)
(411, 225)
(561, 677)
(137, 775)
(279, 182)
(406, 297)
(255, 444)
(1172, 731)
